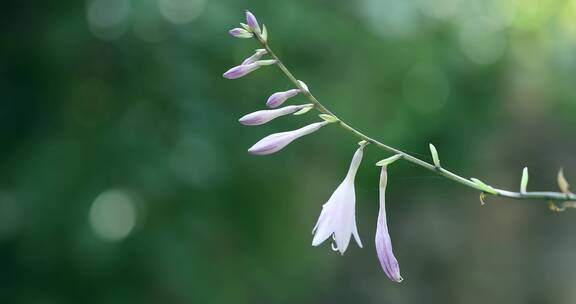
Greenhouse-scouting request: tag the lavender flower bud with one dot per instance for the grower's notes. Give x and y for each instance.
(279, 98)
(252, 22)
(383, 243)
(264, 116)
(276, 142)
(241, 70)
(257, 55)
(240, 33)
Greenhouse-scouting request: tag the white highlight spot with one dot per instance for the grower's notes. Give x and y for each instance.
(181, 11)
(107, 18)
(481, 44)
(113, 215)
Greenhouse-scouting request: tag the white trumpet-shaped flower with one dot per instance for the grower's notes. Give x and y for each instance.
(338, 216)
(383, 243)
(275, 142)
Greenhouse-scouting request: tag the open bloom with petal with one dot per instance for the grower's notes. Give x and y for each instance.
(241, 70)
(383, 243)
(275, 142)
(280, 97)
(264, 116)
(257, 55)
(338, 216)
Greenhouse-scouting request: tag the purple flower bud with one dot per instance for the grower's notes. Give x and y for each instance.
(275, 142)
(279, 98)
(257, 55)
(241, 70)
(252, 22)
(240, 33)
(264, 116)
(383, 243)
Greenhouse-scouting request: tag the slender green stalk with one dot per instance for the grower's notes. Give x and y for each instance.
(548, 196)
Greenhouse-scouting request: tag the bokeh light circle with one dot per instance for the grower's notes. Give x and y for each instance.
(113, 215)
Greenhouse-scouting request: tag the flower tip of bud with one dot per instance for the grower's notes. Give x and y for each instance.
(245, 120)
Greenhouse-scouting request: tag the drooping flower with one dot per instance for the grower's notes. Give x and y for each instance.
(252, 22)
(383, 243)
(279, 98)
(240, 33)
(264, 116)
(338, 216)
(257, 55)
(275, 142)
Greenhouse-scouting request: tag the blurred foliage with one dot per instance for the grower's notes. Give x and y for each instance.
(125, 177)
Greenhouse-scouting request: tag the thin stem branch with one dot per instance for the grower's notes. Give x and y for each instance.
(548, 196)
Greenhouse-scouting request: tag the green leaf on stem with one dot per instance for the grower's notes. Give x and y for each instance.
(246, 27)
(264, 33)
(329, 118)
(562, 182)
(304, 110)
(524, 181)
(483, 186)
(435, 157)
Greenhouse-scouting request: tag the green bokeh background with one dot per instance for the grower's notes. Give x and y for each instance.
(125, 178)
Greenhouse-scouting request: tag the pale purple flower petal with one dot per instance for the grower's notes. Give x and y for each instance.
(264, 116)
(338, 216)
(252, 22)
(241, 70)
(383, 243)
(257, 55)
(275, 142)
(240, 33)
(279, 98)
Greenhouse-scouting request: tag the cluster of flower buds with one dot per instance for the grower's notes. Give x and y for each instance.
(337, 219)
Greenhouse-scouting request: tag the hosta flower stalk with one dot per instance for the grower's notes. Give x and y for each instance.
(337, 218)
